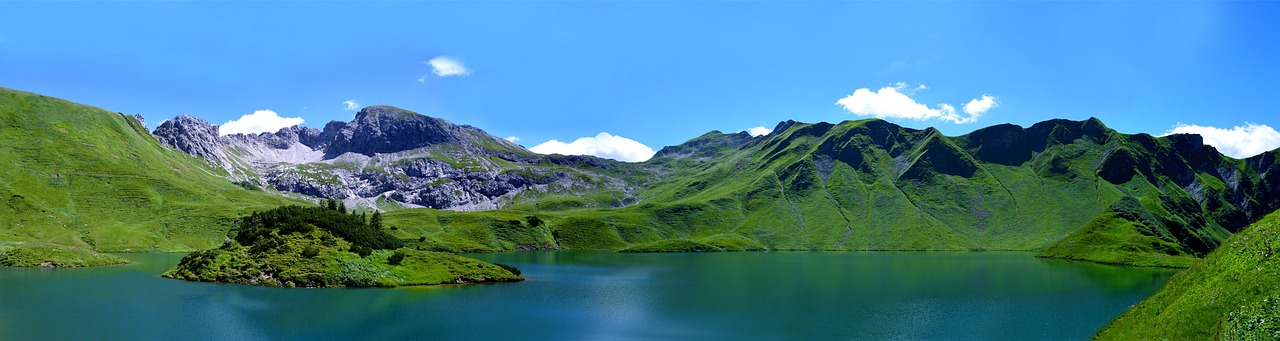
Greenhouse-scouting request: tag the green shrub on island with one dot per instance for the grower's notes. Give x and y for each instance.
(297, 246)
(45, 255)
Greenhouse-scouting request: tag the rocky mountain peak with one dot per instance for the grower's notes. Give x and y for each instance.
(192, 135)
(386, 112)
(387, 129)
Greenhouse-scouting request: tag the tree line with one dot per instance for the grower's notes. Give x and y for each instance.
(364, 234)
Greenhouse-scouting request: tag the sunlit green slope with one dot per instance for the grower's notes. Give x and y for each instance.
(1232, 294)
(873, 185)
(80, 176)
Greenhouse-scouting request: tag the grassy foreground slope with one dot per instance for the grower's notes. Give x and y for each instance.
(85, 178)
(1231, 294)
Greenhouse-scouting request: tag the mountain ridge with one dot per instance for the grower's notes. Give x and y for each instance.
(387, 156)
(1071, 189)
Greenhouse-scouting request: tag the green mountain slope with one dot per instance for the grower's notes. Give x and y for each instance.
(81, 176)
(1076, 188)
(1232, 294)
(84, 177)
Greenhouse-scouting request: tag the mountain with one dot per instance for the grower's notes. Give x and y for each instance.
(1070, 189)
(1075, 189)
(93, 180)
(388, 157)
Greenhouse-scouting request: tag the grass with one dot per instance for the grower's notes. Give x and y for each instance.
(1127, 234)
(82, 177)
(31, 255)
(1111, 240)
(728, 242)
(296, 246)
(333, 265)
(872, 185)
(1227, 295)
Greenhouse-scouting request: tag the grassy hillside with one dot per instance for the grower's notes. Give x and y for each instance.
(1231, 294)
(1076, 189)
(83, 177)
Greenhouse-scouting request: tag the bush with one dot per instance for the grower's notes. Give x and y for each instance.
(361, 250)
(396, 258)
(534, 221)
(311, 251)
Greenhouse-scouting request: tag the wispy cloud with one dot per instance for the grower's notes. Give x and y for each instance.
(1238, 142)
(513, 139)
(445, 66)
(351, 105)
(758, 131)
(602, 145)
(891, 102)
(260, 121)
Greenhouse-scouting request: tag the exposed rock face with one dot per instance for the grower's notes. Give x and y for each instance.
(385, 129)
(392, 154)
(192, 135)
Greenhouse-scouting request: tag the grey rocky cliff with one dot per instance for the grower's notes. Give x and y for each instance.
(192, 135)
(389, 154)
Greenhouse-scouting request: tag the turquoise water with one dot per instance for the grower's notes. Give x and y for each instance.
(593, 296)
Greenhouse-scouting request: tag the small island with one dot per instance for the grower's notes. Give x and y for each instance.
(296, 246)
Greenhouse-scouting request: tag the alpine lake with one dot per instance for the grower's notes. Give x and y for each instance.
(578, 295)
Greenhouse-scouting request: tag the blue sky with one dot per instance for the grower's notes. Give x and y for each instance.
(659, 73)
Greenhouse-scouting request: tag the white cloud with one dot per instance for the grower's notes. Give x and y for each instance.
(889, 102)
(351, 105)
(513, 139)
(980, 106)
(602, 145)
(1238, 142)
(445, 66)
(258, 122)
(758, 131)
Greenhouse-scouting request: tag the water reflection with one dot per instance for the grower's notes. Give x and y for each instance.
(593, 295)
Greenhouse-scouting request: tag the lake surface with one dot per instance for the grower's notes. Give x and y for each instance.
(594, 296)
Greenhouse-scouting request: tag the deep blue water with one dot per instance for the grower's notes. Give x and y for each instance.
(603, 296)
